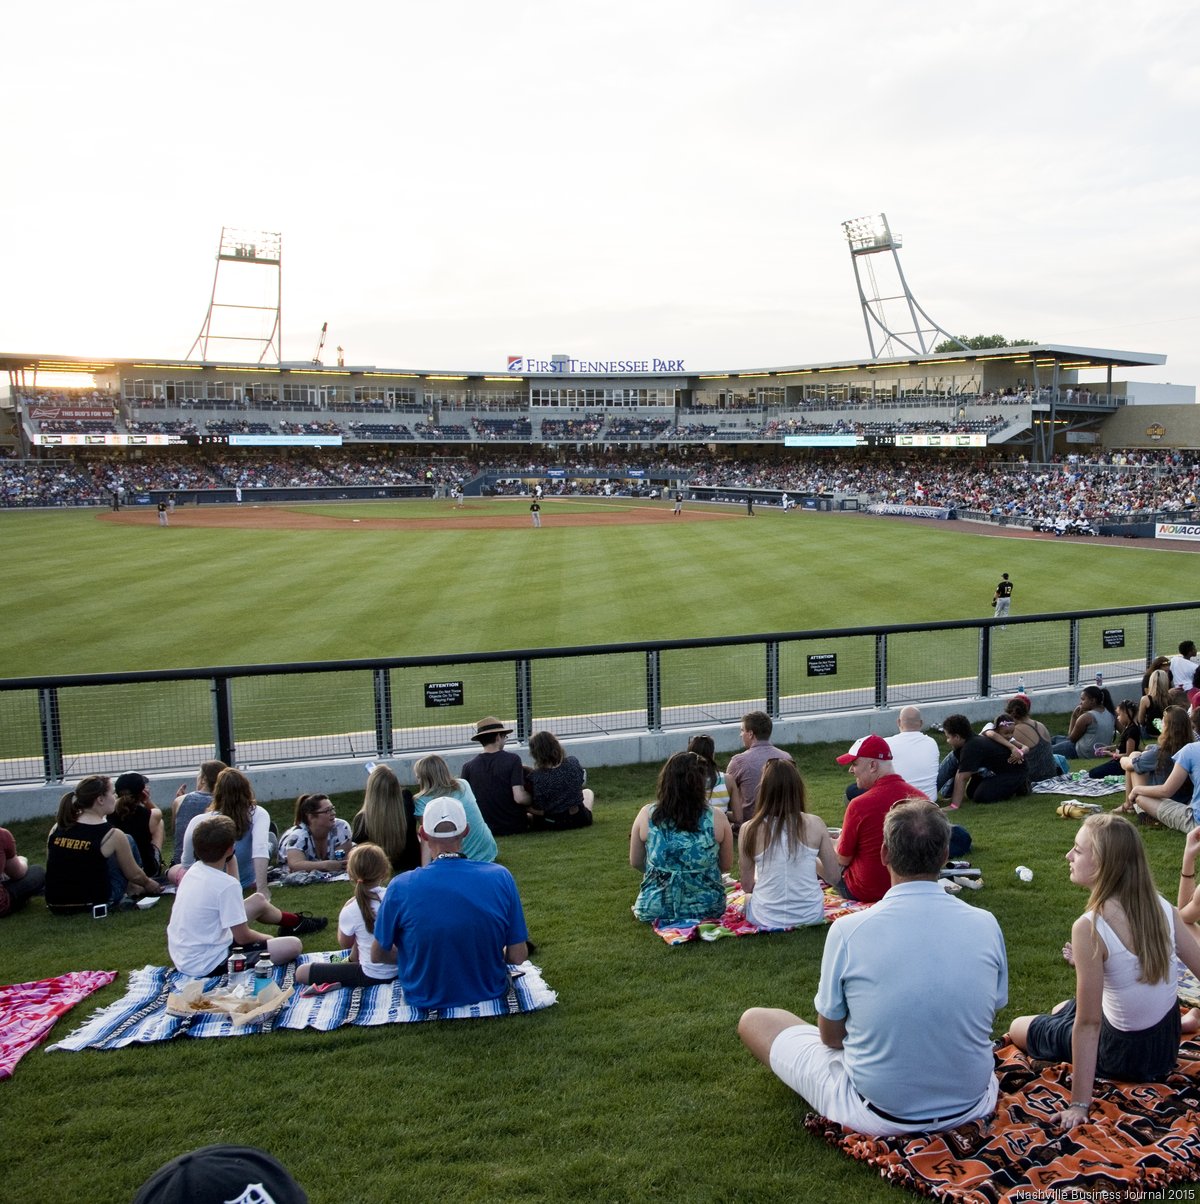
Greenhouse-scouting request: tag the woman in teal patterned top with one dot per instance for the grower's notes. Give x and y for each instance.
(683, 846)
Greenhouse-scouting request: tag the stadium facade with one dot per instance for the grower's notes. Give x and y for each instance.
(1025, 397)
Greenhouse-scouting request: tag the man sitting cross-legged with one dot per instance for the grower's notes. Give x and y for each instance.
(874, 1061)
(209, 916)
(455, 924)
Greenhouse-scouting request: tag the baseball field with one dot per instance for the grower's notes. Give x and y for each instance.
(634, 1086)
(92, 591)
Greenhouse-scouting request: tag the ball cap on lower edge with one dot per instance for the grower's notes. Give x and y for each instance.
(875, 747)
(440, 812)
(222, 1174)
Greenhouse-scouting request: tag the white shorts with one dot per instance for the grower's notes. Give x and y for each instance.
(810, 1068)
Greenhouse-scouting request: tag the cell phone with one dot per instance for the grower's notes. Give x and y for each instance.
(100, 911)
(370, 767)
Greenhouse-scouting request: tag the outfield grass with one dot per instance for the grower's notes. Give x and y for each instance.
(91, 596)
(633, 1086)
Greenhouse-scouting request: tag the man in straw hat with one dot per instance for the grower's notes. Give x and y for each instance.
(497, 779)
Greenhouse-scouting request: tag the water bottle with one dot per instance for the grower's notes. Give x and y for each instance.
(263, 976)
(1020, 685)
(237, 974)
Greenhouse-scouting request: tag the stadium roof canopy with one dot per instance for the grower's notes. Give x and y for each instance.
(1062, 356)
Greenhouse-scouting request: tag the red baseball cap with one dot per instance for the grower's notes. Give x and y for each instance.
(874, 747)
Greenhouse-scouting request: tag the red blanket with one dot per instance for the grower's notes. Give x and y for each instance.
(1139, 1138)
(28, 1010)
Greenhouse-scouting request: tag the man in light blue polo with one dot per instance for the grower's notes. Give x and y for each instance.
(875, 1061)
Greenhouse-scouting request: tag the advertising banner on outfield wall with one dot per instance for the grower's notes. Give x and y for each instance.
(1177, 530)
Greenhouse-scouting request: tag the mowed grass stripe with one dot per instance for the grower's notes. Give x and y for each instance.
(95, 597)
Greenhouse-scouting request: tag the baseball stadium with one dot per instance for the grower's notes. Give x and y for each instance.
(305, 569)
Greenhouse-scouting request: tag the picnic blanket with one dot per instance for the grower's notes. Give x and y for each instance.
(1139, 1138)
(1080, 786)
(141, 1016)
(734, 922)
(28, 1010)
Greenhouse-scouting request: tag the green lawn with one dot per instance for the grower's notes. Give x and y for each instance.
(633, 1086)
(90, 596)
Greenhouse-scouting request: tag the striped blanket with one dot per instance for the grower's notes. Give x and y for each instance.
(141, 1016)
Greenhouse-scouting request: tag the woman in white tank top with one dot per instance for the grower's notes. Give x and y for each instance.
(782, 849)
(1124, 1021)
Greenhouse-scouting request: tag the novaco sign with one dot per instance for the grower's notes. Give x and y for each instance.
(571, 367)
(1176, 531)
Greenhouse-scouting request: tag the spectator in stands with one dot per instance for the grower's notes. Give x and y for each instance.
(682, 845)
(497, 779)
(1093, 723)
(136, 815)
(90, 862)
(186, 804)
(1153, 703)
(317, 839)
(1156, 765)
(19, 881)
(781, 851)
(455, 924)
(434, 780)
(745, 769)
(209, 916)
(718, 792)
(556, 783)
(981, 768)
(388, 818)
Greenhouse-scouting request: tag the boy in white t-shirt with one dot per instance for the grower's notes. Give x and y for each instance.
(209, 916)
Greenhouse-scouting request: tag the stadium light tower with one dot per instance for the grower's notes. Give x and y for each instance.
(251, 259)
(869, 236)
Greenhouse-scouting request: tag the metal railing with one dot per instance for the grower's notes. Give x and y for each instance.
(53, 728)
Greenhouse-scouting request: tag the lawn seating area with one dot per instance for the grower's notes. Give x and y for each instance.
(634, 1085)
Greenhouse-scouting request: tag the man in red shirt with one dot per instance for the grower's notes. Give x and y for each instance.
(864, 876)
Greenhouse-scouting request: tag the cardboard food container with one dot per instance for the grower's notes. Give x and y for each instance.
(241, 1009)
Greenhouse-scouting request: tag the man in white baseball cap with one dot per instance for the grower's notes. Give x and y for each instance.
(455, 925)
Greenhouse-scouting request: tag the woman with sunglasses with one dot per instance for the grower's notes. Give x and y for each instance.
(318, 840)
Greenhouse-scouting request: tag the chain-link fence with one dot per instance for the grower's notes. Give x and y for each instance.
(67, 727)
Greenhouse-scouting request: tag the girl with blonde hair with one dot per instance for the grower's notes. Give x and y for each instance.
(434, 780)
(386, 818)
(370, 871)
(1124, 1021)
(782, 849)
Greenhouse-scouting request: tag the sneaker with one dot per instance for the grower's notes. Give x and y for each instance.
(308, 924)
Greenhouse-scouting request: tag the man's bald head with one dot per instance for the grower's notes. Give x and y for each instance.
(909, 720)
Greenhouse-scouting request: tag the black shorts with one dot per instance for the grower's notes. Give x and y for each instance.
(1146, 1055)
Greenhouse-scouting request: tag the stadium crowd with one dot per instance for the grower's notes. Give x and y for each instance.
(1099, 486)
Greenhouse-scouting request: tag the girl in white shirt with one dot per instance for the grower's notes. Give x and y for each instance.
(782, 849)
(370, 871)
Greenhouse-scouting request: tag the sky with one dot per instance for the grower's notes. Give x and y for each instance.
(459, 182)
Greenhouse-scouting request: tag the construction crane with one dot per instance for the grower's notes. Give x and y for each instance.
(321, 344)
